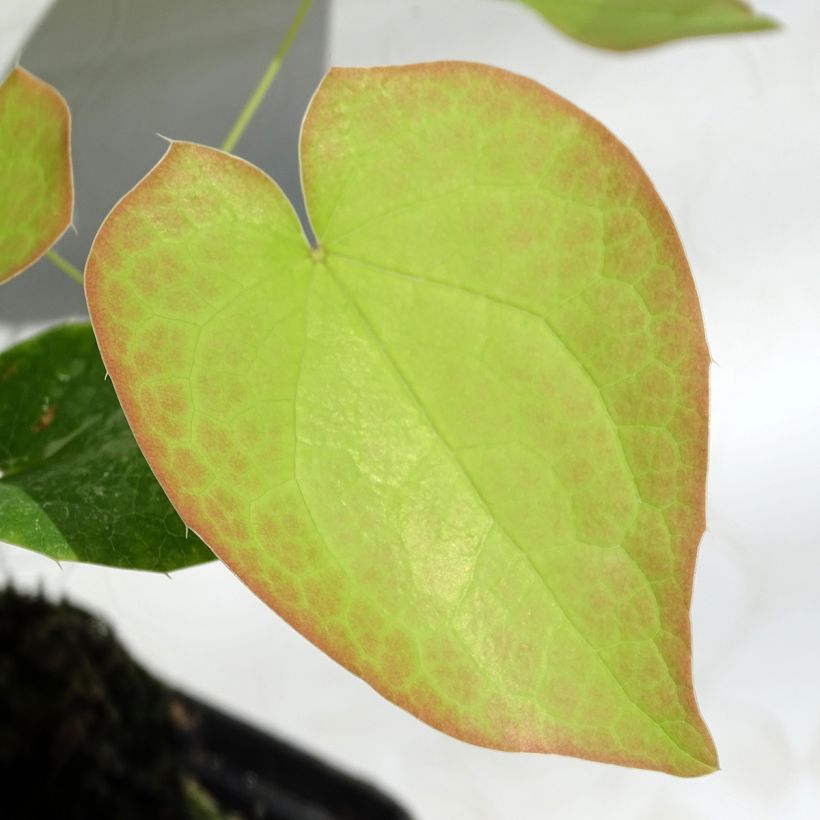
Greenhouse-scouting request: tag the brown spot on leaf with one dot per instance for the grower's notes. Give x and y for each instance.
(46, 419)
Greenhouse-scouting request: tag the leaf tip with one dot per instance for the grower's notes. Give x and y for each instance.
(763, 22)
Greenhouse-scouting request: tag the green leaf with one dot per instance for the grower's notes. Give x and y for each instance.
(36, 192)
(73, 483)
(461, 444)
(628, 24)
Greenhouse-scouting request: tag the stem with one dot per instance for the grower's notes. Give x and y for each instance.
(65, 266)
(246, 115)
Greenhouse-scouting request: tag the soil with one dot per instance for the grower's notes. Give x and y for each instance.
(85, 732)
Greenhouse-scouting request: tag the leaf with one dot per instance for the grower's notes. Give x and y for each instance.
(622, 25)
(73, 483)
(36, 192)
(461, 444)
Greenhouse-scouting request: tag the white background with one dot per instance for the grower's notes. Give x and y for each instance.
(729, 130)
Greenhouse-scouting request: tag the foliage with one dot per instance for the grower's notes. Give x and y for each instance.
(461, 444)
(36, 195)
(73, 483)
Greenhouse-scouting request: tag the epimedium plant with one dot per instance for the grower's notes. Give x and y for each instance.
(436, 424)
(457, 437)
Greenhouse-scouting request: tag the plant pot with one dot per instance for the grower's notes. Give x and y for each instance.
(267, 778)
(85, 732)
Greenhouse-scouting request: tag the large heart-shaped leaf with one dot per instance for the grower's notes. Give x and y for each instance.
(461, 443)
(36, 193)
(73, 483)
(629, 24)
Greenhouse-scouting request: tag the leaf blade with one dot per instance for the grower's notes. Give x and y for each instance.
(624, 25)
(73, 484)
(430, 526)
(36, 188)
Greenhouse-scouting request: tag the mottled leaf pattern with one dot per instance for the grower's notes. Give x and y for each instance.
(461, 444)
(73, 483)
(36, 194)
(628, 24)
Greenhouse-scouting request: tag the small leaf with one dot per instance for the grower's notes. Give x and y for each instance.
(73, 483)
(36, 192)
(461, 444)
(628, 24)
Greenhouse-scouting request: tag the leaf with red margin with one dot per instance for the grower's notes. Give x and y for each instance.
(36, 190)
(623, 25)
(461, 444)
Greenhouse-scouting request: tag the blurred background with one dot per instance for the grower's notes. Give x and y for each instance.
(728, 128)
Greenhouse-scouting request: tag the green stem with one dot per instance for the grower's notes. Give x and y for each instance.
(246, 115)
(65, 266)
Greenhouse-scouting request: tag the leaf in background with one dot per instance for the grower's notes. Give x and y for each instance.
(461, 445)
(628, 24)
(36, 194)
(73, 483)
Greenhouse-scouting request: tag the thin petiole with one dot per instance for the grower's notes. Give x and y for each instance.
(251, 106)
(65, 266)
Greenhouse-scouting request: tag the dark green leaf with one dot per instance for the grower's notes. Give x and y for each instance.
(73, 483)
